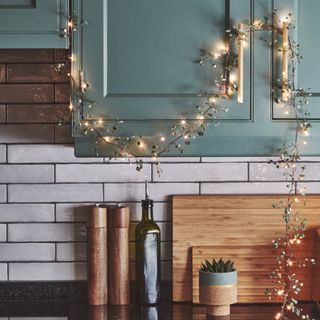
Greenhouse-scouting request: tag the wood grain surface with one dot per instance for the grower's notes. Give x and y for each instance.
(233, 221)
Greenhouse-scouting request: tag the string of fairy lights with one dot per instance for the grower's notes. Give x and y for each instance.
(290, 99)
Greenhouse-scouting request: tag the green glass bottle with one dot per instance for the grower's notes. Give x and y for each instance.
(147, 256)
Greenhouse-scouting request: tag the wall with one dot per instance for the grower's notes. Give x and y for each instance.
(45, 190)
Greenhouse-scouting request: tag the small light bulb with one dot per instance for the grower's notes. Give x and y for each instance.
(183, 122)
(201, 117)
(163, 139)
(290, 263)
(100, 121)
(298, 241)
(186, 137)
(84, 85)
(71, 107)
(306, 133)
(278, 315)
(86, 123)
(106, 139)
(233, 77)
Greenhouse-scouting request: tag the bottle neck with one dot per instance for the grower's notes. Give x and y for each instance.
(147, 213)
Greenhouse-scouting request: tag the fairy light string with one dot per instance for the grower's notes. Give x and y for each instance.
(180, 134)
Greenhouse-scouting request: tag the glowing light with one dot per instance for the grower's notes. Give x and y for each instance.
(183, 122)
(186, 137)
(73, 57)
(233, 77)
(100, 122)
(298, 241)
(280, 292)
(163, 139)
(84, 85)
(306, 133)
(107, 139)
(278, 316)
(212, 100)
(71, 107)
(290, 263)
(201, 117)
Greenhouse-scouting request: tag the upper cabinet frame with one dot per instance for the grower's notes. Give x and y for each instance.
(139, 60)
(34, 24)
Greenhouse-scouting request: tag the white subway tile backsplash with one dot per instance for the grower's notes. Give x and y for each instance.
(202, 172)
(3, 232)
(36, 240)
(3, 193)
(55, 193)
(3, 272)
(158, 191)
(164, 191)
(237, 159)
(27, 252)
(161, 211)
(47, 153)
(310, 187)
(78, 212)
(101, 173)
(73, 212)
(244, 188)
(3, 153)
(72, 251)
(26, 173)
(26, 212)
(268, 172)
(124, 192)
(58, 232)
(265, 172)
(51, 271)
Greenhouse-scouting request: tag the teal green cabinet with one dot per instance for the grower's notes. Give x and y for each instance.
(34, 23)
(139, 58)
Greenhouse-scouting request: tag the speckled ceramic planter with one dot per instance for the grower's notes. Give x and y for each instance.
(218, 291)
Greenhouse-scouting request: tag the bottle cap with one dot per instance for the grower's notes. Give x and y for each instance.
(147, 203)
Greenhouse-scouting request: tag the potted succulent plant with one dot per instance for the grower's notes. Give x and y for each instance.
(218, 286)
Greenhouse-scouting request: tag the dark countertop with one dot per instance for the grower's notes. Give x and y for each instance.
(166, 310)
(67, 301)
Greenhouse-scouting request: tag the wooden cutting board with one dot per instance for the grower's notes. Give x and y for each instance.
(231, 221)
(253, 263)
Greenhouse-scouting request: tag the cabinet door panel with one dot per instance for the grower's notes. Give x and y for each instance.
(33, 23)
(140, 56)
